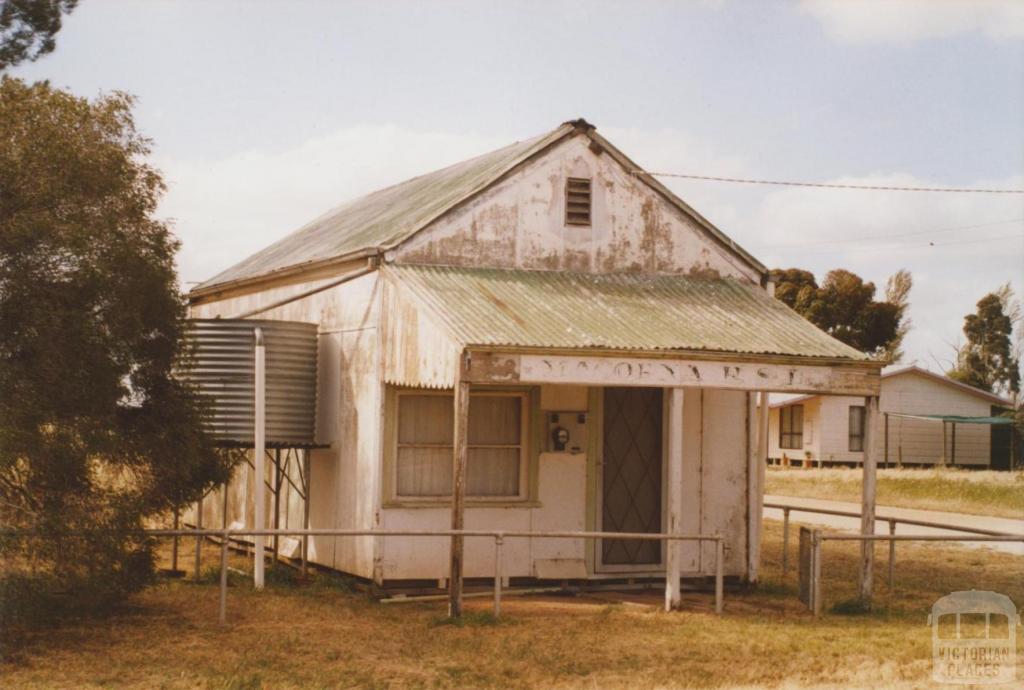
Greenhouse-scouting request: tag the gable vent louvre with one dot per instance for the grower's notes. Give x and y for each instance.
(577, 201)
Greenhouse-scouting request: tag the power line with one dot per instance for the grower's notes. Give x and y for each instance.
(894, 246)
(974, 241)
(849, 240)
(826, 185)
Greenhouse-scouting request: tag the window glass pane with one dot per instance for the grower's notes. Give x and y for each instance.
(494, 420)
(492, 472)
(791, 427)
(424, 471)
(425, 419)
(856, 428)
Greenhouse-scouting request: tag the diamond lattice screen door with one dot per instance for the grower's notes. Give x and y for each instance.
(631, 474)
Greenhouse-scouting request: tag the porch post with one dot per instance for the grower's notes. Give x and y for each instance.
(867, 517)
(757, 472)
(460, 452)
(752, 497)
(675, 497)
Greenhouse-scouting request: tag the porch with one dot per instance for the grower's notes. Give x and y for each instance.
(666, 376)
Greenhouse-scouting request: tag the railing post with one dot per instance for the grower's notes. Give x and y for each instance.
(174, 542)
(498, 541)
(785, 541)
(199, 537)
(816, 593)
(892, 555)
(305, 511)
(224, 578)
(719, 573)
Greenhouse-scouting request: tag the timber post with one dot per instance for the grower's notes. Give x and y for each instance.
(675, 497)
(460, 451)
(867, 517)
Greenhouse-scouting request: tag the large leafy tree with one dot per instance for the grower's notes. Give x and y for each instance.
(94, 430)
(987, 359)
(28, 28)
(845, 307)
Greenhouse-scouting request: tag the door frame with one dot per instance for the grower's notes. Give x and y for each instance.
(595, 496)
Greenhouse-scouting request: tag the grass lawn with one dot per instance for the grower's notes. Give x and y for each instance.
(979, 492)
(320, 635)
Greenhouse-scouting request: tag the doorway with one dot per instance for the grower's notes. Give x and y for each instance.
(631, 476)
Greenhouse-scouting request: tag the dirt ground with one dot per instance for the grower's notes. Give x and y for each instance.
(323, 634)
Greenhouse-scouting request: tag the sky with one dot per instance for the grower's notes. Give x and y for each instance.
(265, 114)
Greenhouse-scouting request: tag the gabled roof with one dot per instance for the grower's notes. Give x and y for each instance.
(554, 309)
(386, 218)
(977, 392)
(914, 369)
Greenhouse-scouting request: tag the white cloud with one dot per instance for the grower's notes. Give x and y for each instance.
(226, 209)
(866, 21)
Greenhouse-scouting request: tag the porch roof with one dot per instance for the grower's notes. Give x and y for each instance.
(547, 309)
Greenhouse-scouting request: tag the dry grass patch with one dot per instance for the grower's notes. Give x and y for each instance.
(319, 635)
(977, 492)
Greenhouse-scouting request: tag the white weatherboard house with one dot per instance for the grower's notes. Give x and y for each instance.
(924, 422)
(608, 342)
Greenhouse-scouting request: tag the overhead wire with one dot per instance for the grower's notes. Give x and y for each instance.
(831, 185)
(916, 233)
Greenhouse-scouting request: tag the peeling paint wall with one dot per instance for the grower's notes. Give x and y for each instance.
(714, 501)
(520, 223)
(345, 478)
(418, 352)
(723, 454)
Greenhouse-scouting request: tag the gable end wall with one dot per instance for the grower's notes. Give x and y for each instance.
(520, 223)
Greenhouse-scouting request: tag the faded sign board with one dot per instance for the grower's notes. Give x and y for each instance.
(588, 370)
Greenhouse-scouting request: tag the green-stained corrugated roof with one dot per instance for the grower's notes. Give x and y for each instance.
(494, 307)
(388, 216)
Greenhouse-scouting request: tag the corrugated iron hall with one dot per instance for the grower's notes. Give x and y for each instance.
(542, 338)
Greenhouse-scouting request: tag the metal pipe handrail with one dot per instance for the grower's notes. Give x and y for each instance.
(818, 538)
(839, 536)
(886, 518)
(499, 537)
(892, 520)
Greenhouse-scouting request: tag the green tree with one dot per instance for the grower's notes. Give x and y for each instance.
(987, 359)
(845, 307)
(28, 28)
(94, 430)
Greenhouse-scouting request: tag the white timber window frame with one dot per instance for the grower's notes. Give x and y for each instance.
(440, 445)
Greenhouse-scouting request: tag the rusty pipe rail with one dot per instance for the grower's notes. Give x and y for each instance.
(893, 521)
(499, 536)
(818, 538)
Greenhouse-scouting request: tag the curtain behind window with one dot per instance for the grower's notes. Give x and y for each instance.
(424, 457)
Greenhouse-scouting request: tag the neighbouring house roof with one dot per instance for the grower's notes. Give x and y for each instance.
(386, 218)
(914, 369)
(547, 309)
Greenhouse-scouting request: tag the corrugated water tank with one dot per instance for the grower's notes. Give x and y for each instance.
(221, 365)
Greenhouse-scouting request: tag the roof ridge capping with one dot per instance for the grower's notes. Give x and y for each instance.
(385, 218)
